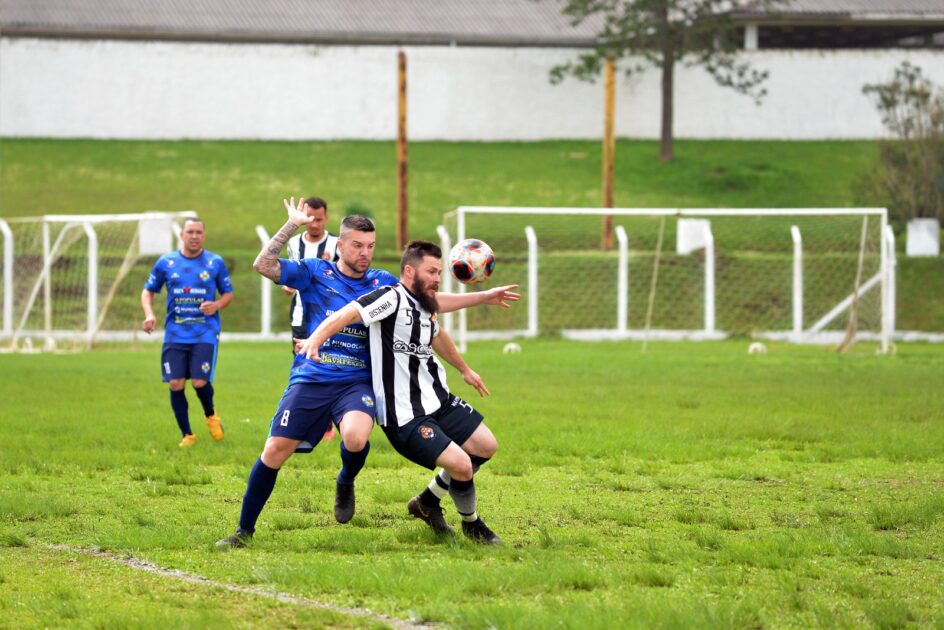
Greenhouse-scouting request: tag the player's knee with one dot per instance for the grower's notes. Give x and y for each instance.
(460, 469)
(198, 383)
(355, 441)
(276, 452)
(177, 384)
(489, 448)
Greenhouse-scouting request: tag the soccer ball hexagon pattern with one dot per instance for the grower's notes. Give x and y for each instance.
(471, 261)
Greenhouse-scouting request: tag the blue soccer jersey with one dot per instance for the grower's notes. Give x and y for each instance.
(323, 290)
(190, 282)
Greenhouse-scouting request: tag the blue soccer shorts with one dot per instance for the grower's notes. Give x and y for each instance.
(307, 409)
(188, 360)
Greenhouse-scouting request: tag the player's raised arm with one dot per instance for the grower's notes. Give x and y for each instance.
(497, 296)
(267, 262)
(444, 347)
(330, 326)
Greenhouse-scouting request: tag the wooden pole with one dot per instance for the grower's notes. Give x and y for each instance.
(402, 234)
(609, 148)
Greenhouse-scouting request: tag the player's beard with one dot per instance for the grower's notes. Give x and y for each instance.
(429, 303)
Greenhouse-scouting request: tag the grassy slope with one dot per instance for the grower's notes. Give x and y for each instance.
(236, 185)
(691, 486)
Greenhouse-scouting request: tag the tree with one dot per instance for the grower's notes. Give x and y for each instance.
(661, 33)
(909, 175)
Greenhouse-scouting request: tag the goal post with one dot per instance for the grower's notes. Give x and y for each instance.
(66, 277)
(769, 273)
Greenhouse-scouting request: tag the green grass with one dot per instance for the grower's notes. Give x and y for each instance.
(691, 486)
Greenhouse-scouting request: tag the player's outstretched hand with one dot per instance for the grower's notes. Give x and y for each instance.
(287, 290)
(308, 347)
(149, 324)
(500, 296)
(475, 381)
(296, 214)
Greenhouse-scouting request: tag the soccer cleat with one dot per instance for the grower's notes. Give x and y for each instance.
(343, 502)
(240, 539)
(216, 427)
(479, 532)
(431, 515)
(189, 440)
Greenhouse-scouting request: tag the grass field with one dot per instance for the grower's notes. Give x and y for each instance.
(691, 486)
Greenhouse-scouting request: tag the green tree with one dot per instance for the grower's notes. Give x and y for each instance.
(661, 33)
(909, 174)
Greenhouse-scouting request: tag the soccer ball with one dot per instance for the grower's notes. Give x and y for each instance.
(471, 261)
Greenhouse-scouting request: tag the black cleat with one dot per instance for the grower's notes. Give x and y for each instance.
(240, 539)
(343, 502)
(431, 515)
(479, 532)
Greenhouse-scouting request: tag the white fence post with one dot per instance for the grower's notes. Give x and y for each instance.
(709, 280)
(797, 283)
(622, 281)
(446, 244)
(7, 278)
(92, 306)
(892, 270)
(884, 274)
(532, 281)
(265, 314)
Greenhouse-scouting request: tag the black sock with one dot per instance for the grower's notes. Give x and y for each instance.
(205, 394)
(261, 483)
(463, 495)
(178, 402)
(351, 463)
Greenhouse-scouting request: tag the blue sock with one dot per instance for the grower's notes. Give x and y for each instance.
(261, 483)
(205, 394)
(351, 463)
(178, 402)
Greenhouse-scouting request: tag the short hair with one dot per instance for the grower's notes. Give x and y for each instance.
(317, 202)
(416, 251)
(357, 222)
(194, 220)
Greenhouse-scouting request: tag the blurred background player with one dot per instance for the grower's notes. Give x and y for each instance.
(193, 277)
(314, 242)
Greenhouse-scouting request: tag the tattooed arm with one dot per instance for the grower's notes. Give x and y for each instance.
(267, 262)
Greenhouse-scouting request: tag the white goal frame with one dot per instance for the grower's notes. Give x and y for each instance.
(884, 280)
(11, 329)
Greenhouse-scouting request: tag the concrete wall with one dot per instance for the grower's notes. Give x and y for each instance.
(117, 89)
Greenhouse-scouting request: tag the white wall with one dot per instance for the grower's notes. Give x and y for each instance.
(115, 89)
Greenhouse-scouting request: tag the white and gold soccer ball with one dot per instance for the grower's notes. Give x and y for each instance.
(471, 261)
(757, 348)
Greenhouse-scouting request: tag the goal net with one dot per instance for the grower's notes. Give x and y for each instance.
(802, 275)
(69, 280)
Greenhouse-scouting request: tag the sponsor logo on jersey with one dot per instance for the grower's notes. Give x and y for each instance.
(170, 263)
(376, 281)
(367, 400)
(420, 350)
(210, 264)
(427, 433)
(205, 367)
(374, 312)
(174, 275)
(204, 275)
(327, 273)
(186, 289)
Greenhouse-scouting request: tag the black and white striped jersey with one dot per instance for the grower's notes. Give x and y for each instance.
(409, 381)
(299, 248)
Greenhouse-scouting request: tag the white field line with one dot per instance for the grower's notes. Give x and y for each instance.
(183, 576)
